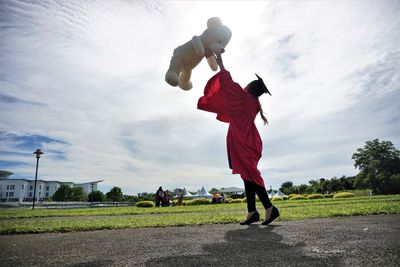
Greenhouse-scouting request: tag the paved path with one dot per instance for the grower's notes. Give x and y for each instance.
(351, 241)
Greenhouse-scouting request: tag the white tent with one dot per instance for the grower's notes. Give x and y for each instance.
(186, 193)
(272, 194)
(280, 194)
(202, 194)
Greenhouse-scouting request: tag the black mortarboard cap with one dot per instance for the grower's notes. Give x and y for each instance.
(263, 85)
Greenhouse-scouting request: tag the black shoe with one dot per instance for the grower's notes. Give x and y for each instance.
(255, 217)
(274, 215)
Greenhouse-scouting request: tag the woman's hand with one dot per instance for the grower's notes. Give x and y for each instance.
(218, 58)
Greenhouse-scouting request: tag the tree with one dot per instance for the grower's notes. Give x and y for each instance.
(384, 152)
(314, 186)
(335, 185)
(287, 188)
(131, 198)
(379, 165)
(96, 196)
(78, 194)
(323, 186)
(309, 190)
(67, 193)
(213, 191)
(63, 193)
(115, 194)
(146, 196)
(347, 182)
(301, 189)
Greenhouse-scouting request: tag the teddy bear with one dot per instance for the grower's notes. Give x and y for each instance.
(187, 56)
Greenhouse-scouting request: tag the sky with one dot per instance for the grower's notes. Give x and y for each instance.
(84, 82)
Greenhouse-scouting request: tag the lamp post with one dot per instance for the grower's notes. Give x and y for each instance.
(38, 152)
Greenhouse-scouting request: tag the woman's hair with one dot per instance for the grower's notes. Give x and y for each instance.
(256, 89)
(262, 114)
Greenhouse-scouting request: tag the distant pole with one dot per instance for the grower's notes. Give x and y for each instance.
(38, 152)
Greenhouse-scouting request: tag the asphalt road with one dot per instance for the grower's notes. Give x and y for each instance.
(344, 241)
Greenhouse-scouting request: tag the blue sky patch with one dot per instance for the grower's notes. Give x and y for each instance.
(25, 145)
(14, 100)
(7, 165)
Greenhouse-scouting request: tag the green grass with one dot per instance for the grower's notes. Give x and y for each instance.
(114, 211)
(41, 221)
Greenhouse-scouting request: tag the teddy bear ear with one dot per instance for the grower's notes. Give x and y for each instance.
(213, 22)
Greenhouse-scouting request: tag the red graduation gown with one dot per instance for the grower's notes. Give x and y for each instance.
(238, 108)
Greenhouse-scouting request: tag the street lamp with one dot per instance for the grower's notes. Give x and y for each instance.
(38, 152)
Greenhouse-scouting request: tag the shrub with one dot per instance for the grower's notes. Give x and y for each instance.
(292, 195)
(328, 196)
(228, 200)
(145, 204)
(174, 202)
(236, 196)
(343, 195)
(277, 199)
(314, 196)
(200, 201)
(237, 200)
(285, 198)
(298, 197)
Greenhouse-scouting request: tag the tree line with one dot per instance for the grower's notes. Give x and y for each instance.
(319, 186)
(378, 163)
(67, 193)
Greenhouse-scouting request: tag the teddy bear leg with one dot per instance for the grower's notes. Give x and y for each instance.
(172, 75)
(184, 80)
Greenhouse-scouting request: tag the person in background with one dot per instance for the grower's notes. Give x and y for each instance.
(159, 196)
(180, 198)
(167, 199)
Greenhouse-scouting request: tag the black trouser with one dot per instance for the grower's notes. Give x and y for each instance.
(251, 190)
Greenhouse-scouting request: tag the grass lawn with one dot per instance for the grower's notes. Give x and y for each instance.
(41, 221)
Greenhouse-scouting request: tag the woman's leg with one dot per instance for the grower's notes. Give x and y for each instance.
(263, 196)
(250, 196)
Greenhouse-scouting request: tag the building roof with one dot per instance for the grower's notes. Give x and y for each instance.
(61, 182)
(93, 182)
(231, 190)
(4, 173)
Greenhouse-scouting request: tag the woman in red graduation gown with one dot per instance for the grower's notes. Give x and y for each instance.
(239, 108)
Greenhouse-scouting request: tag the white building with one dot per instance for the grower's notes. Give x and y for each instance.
(20, 190)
